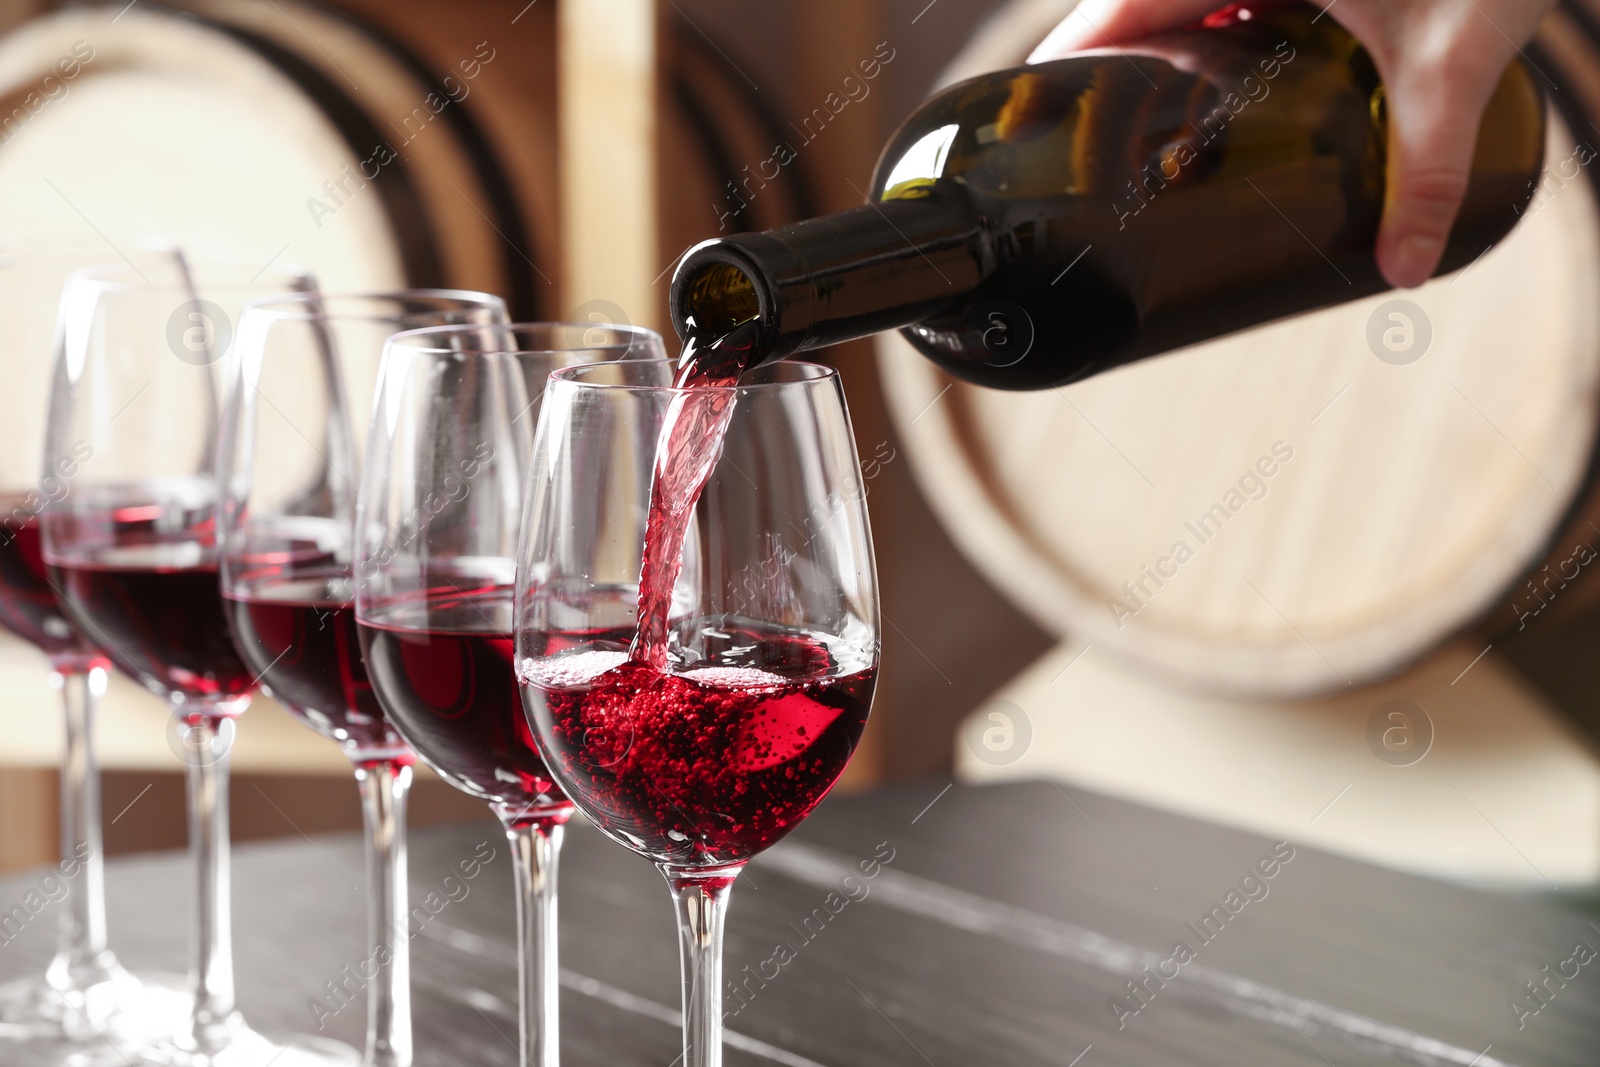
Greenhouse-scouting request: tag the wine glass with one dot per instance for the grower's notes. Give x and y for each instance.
(85, 997)
(703, 739)
(289, 473)
(133, 553)
(436, 531)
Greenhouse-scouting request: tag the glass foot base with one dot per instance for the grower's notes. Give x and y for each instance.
(121, 1012)
(247, 1048)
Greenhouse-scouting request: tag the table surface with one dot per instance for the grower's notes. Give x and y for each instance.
(1000, 928)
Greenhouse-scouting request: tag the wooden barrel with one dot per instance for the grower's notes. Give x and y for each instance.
(379, 144)
(1320, 502)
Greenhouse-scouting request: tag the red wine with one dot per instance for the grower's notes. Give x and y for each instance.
(686, 453)
(298, 633)
(441, 662)
(709, 764)
(28, 605)
(709, 755)
(156, 610)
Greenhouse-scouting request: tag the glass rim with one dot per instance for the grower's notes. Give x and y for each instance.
(798, 373)
(294, 306)
(407, 338)
(115, 277)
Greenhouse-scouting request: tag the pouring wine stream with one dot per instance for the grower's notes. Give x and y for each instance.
(686, 453)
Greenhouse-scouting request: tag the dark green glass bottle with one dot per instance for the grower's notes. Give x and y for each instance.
(1034, 226)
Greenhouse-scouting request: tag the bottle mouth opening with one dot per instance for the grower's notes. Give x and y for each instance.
(720, 296)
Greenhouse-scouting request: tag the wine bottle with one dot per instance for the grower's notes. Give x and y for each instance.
(1034, 226)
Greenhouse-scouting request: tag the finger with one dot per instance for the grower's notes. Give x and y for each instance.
(1099, 23)
(1434, 111)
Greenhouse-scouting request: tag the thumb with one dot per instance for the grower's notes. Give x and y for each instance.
(1434, 111)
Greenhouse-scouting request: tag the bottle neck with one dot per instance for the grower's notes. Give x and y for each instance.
(835, 278)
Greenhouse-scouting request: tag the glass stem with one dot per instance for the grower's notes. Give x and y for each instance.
(82, 959)
(701, 896)
(384, 788)
(535, 837)
(207, 750)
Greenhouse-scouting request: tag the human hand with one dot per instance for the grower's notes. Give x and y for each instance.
(1440, 61)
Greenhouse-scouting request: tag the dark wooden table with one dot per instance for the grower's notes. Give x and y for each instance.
(1003, 927)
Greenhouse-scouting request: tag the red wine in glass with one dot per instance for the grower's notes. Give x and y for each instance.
(298, 633)
(443, 658)
(28, 605)
(696, 763)
(702, 739)
(155, 608)
(709, 764)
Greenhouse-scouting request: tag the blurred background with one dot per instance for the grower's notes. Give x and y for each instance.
(1386, 646)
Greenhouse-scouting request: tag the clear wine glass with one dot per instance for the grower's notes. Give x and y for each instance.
(85, 998)
(703, 745)
(289, 471)
(141, 355)
(437, 517)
